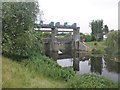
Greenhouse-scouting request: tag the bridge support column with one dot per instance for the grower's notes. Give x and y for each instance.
(76, 39)
(53, 39)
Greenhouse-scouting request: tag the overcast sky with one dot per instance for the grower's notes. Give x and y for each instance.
(81, 12)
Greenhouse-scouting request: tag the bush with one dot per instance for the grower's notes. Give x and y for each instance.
(112, 42)
(90, 81)
(49, 68)
(18, 36)
(87, 38)
(97, 51)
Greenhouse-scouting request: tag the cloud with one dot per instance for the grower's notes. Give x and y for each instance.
(81, 12)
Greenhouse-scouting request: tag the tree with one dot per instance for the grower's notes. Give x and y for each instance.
(113, 42)
(97, 29)
(86, 37)
(105, 29)
(18, 36)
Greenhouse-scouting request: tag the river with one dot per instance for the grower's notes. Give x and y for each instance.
(83, 63)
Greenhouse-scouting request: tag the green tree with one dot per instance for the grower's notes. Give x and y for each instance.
(46, 34)
(18, 35)
(97, 29)
(86, 37)
(113, 42)
(105, 29)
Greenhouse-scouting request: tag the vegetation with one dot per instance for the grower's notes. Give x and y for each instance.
(113, 43)
(97, 47)
(98, 30)
(33, 69)
(43, 65)
(96, 27)
(105, 29)
(15, 75)
(46, 34)
(87, 38)
(91, 81)
(20, 76)
(18, 36)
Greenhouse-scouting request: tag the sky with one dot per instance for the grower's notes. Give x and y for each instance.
(81, 12)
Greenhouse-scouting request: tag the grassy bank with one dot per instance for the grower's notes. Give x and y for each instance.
(41, 64)
(16, 75)
(97, 47)
(27, 74)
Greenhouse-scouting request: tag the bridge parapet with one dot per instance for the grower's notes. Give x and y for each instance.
(57, 25)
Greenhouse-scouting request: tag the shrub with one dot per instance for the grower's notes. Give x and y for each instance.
(90, 81)
(49, 68)
(87, 38)
(18, 36)
(97, 51)
(112, 42)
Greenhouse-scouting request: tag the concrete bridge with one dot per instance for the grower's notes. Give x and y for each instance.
(55, 44)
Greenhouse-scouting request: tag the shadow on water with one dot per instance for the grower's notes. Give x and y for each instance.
(82, 63)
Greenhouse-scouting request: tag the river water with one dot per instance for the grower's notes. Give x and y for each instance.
(83, 63)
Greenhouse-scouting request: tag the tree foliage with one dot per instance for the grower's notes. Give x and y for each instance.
(18, 36)
(105, 29)
(113, 42)
(97, 29)
(86, 37)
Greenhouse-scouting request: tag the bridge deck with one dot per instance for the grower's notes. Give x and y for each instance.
(51, 31)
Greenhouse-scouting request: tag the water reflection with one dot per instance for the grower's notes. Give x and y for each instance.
(76, 64)
(111, 64)
(85, 63)
(75, 61)
(96, 65)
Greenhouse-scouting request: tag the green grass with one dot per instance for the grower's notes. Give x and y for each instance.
(98, 48)
(43, 65)
(29, 74)
(16, 75)
(91, 81)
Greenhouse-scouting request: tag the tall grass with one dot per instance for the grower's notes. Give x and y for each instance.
(34, 75)
(43, 65)
(15, 75)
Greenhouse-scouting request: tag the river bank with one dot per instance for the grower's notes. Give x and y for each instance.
(25, 74)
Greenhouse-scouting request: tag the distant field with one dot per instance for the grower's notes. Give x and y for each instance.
(17, 76)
